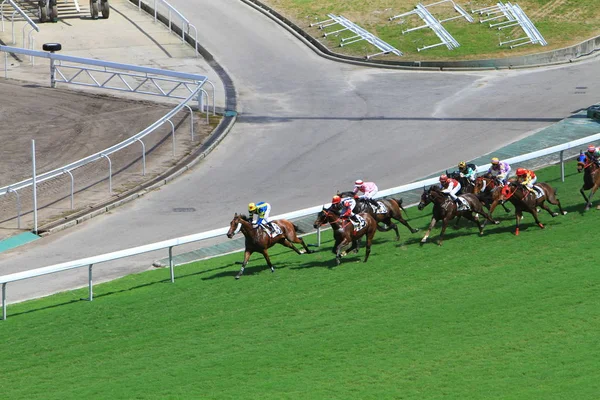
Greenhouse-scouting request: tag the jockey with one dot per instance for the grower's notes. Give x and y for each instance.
(348, 204)
(262, 210)
(451, 187)
(527, 178)
(593, 154)
(368, 188)
(499, 170)
(468, 171)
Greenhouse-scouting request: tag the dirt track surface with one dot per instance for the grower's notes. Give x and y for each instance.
(69, 125)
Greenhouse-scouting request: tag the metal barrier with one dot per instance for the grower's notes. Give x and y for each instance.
(514, 16)
(169, 244)
(18, 10)
(360, 34)
(435, 25)
(186, 25)
(190, 83)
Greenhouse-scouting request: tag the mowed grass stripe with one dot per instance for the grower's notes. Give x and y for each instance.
(491, 317)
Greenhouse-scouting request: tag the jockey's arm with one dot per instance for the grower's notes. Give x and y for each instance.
(449, 188)
(355, 190)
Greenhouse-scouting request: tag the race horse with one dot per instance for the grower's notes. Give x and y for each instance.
(524, 200)
(591, 178)
(345, 232)
(258, 240)
(444, 209)
(387, 210)
(466, 186)
(489, 191)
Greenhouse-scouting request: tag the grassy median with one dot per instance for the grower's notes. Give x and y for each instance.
(490, 317)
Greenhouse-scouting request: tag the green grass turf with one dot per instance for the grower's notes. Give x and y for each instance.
(492, 317)
(562, 23)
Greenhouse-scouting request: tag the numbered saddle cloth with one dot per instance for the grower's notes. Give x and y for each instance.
(381, 209)
(274, 231)
(539, 192)
(360, 224)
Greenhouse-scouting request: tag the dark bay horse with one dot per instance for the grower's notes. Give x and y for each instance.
(591, 178)
(392, 209)
(345, 233)
(258, 240)
(524, 200)
(444, 209)
(489, 191)
(466, 186)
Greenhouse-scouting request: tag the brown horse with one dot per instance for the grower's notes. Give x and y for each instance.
(386, 210)
(489, 191)
(591, 178)
(445, 209)
(524, 200)
(258, 240)
(345, 233)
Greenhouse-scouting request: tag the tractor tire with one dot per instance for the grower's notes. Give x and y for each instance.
(54, 13)
(105, 9)
(43, 14)
(94, 9)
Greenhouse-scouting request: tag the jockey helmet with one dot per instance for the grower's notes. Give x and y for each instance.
(358, 182)
(443, 178)
(521, 171)
(336, 200)
(495, 161)
(462, 164)
(591, 148)
(251, 207)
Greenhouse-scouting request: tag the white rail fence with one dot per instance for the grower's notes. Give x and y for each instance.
(172, 13)
(133, 78)
(170, 244)
(30, 23)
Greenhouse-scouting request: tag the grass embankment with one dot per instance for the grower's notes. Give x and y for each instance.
(561, 22)
(490, 317)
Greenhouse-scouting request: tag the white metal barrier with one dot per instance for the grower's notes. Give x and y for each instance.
(169, 244)
(190, 88)
(18, 10)
(186, 25)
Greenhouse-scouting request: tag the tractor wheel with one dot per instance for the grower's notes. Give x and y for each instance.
(105, 9)
(43, 13)
(94, 9)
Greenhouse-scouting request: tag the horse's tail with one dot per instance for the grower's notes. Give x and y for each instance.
(399, 201)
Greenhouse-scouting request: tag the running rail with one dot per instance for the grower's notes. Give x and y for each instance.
(89, 262)
(170, 11)
(193, 84)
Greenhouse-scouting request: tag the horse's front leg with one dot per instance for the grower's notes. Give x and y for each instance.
(535, 217)
(431, 225)
(247, 255)
(268, 259)
(583, 194)
(444, 226)
(518, 216)
(589, 202)
(338, 252)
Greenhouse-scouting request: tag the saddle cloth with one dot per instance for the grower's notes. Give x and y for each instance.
(382, 209)
(275, 231)
(358, 225)
(539, 192)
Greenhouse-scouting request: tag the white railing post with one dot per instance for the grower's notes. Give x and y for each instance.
(90, 288)
(562, 165)
(171, 264)
(3, 301)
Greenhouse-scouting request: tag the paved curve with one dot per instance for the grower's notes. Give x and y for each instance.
(307, 127)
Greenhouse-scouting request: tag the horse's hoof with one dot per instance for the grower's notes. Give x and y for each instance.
(496, 222)
(555, 214)
(542, 226)
(564, 213)
(414, 231)
(237, 277)
(440, 244)
(343, 254)
(480, 233)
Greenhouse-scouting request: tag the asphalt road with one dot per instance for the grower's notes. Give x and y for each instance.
(308, 127)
